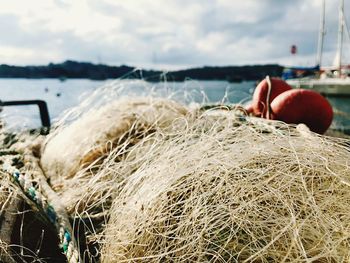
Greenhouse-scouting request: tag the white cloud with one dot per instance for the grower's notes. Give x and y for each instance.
(18, 55)
(213, 42)
(163, 32)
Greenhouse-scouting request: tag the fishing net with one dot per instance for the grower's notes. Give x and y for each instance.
(9, 201)
(148, 178)
(8, 213)
(111, 130)
(223, 190)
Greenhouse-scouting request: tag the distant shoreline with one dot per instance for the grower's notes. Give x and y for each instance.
(85, 70)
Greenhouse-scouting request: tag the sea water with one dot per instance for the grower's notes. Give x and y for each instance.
(62, 95)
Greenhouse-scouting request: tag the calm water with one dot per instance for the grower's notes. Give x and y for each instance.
(61, 96)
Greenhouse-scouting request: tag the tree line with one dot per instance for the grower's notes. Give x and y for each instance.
(74, 69)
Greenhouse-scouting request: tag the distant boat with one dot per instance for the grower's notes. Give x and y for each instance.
(327, 86)
(333, 80)
(62, 78)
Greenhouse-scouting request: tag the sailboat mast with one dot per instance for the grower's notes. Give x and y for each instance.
(321, 34)
(340, 35)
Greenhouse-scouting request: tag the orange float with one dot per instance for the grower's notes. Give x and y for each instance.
(303, 106)
(274, 99)
(265, 93)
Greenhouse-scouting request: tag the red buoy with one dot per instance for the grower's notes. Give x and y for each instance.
(303, 106)
(293, 49)
(260, 97)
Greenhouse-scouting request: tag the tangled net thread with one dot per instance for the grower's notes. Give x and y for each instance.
(194, 186)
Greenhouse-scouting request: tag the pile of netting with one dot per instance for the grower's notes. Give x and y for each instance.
(149, 179)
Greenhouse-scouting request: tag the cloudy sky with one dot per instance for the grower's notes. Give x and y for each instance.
(165, 34)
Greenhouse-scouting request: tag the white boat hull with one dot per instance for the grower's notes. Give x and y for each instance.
(333, 87)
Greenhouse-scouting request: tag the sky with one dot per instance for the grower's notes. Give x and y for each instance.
(165, 34)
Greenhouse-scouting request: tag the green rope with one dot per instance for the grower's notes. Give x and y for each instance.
(24, 182)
